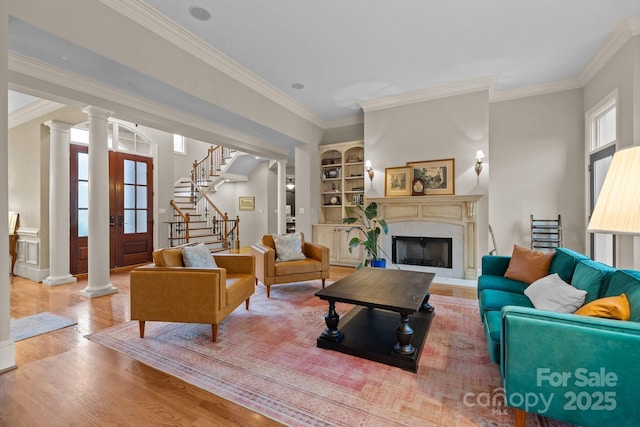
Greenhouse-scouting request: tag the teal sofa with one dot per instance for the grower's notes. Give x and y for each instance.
(580, 369)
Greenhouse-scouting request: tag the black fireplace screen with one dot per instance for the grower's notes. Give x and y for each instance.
(423, 251)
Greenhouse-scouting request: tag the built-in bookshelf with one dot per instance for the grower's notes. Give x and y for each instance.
(341, 179)
(341, 187)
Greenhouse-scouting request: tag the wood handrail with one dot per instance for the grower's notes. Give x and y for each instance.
(201, 171)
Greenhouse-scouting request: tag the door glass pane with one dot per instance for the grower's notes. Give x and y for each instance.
(141, 197)
(141, 226)
(141, 173)
(83, 166)
(83, 222)
(129, 172)
(83, 194)
(129, 196)
(129, 221)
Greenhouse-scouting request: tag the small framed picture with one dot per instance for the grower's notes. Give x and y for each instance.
(437, 176)
(397, 181)
(246, 203)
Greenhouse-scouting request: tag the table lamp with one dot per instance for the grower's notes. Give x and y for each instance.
(617, 210)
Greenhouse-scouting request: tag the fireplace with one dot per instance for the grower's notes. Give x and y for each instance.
(441, 217)
(422, 251)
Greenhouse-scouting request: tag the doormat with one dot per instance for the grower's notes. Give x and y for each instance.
(41, 323)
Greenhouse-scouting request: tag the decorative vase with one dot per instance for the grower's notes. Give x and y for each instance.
(379, 263)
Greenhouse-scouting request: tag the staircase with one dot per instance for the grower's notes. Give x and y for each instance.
(195, 217)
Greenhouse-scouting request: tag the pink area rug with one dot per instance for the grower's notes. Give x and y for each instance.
(266, 359)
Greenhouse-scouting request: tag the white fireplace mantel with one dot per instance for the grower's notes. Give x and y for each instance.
(457, 210)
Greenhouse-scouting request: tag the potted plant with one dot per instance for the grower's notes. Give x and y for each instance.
(366, 220)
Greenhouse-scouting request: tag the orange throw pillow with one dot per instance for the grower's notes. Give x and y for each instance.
(528, 266)
(609, 307)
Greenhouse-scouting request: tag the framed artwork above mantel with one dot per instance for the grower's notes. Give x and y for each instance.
(397, 181)
(433, 177)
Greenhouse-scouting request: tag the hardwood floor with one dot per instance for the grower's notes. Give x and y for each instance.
(63, 379)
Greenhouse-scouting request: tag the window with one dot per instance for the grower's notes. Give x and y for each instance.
(604, 128)
(83, 194)
(135, 197)
(179, 145)
(601, 142)
(79, 136)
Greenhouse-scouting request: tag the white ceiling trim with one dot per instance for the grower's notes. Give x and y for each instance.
(541, 89)
(75, 82)
(32, 111)
(619, 36)
(154, 21)
(431, 93)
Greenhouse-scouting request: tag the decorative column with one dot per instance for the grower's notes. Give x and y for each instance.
(7, 346)
(59, 258)
(282, 196)
(98, 205)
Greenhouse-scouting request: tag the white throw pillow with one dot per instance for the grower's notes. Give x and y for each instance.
(554, 294)
(198, 256)
(288, 247)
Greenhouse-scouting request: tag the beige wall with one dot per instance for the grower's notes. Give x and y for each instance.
(28, 185)
(453, 127)
(622, 72)
(537, 167)
(341, 134)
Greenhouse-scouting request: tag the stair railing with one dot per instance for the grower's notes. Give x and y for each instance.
(226, 230)
(179, 229)
(210, 166)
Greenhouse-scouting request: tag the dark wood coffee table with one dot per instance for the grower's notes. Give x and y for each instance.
(373, 330)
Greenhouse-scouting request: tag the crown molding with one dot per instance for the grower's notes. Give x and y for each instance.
(32, 111)
(154, 21)
(70, 81)
(431, 93)
(619, 36)
(540, 89)
(347, 121)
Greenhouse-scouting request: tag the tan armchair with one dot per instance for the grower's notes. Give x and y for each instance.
(272, 272)
(167, 291)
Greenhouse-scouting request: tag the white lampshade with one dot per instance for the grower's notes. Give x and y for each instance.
(479, 155)
(617, 210)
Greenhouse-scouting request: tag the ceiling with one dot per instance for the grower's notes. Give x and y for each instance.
(346, 52)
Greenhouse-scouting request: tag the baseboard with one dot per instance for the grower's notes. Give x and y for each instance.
(7, 355)
(31, 272)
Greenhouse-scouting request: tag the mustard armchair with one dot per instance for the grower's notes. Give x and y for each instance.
(272, 272)
(167, 291)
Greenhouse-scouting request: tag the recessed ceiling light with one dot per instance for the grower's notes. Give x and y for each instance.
(297, 86)
(199, 13)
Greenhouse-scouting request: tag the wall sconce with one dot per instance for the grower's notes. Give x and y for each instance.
(479, 157)
(369, 169)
